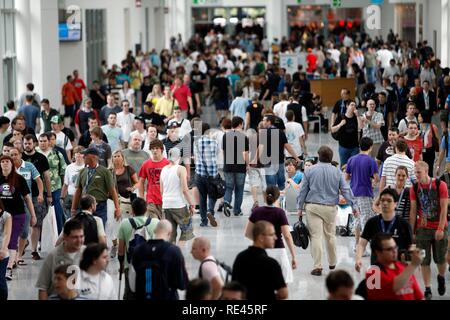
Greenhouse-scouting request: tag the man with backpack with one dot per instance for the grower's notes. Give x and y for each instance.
(209, 266)
(428, 219)
(158, 269)
(137, 229)
(94, 232)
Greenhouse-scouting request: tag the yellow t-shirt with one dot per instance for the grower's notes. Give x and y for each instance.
(165, 106)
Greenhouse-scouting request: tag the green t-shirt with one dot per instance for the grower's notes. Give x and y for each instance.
(135, 159)
(126, 229)
(57, 169)
(102, 181)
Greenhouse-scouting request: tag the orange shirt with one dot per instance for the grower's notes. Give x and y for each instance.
(69, 94)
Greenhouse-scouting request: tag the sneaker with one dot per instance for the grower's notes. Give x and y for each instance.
(220, 207)
(204, 224)
(239, 214)
(35, 256)
(441, 285)
(113, 252)
(428, 294)
(212, 219)
(227, 209)
(9, 274)
(255, 205)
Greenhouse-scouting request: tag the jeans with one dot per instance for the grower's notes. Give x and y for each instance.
(3, 285)
(371, 75)
(207, 203)
(102, 212)
(236, 182)
(275, 175)
(347, 153)
(59, 211)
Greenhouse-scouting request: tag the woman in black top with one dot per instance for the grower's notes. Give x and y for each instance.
(348, 129)
(14, 193)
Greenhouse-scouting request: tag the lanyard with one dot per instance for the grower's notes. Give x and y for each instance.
(391, 224)
(429, 187)
(400, 198)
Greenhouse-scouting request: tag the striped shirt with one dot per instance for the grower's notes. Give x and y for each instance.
(392, 163)
(205, 153)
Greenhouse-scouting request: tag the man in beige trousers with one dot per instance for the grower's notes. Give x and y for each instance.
(319, 196)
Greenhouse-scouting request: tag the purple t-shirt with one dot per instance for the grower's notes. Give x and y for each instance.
(362, 167)
(276, 216)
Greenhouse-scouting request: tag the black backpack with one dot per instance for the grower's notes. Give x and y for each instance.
(225, 270)
(89, 227)
(151, 280)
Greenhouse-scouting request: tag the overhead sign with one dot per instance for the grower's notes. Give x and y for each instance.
(207, 2)
(289, 62)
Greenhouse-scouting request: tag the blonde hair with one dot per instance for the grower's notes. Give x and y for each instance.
(123, 157)
(422, 165)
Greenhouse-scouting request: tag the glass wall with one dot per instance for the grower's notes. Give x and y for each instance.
(8, 48)
(305, 20)
(95, 42)
(229, 20)
(406, 21)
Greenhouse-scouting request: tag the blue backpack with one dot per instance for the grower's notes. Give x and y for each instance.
(138, 236)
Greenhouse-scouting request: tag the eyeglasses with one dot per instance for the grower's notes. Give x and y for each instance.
(391, 249)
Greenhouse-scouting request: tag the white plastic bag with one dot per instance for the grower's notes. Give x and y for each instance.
(49, 231)
(110, 223)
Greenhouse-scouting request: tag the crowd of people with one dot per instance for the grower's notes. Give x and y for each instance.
(134, 144)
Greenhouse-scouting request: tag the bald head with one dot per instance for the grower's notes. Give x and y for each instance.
(201, 248)
(163, 230)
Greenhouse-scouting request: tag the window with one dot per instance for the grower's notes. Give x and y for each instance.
(8, 48)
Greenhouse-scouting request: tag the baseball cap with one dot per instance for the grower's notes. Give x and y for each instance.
(56, 119)
(92, 151)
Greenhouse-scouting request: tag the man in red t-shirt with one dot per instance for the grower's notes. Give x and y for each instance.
(79, 85)
(414, 141)
(183, 95)
(390, 279)
(311, 59)
(429, 208)
(151, 172)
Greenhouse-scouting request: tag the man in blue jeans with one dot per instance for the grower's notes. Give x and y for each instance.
(272, 144)
(205, 153)
(235, 153)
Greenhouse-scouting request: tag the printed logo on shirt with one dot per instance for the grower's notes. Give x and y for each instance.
(6, 190)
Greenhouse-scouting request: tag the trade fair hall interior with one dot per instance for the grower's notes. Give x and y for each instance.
(224, 150)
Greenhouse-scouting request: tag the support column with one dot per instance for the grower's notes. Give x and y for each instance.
(445, 29)
(45, 48)
(23, 46)
(274, 19)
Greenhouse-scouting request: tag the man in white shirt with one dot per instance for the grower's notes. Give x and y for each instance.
(384, 56)
(125, 120)
(209, 269)
(281, 107)
(295, 135)
(391, 70)
(62, 140)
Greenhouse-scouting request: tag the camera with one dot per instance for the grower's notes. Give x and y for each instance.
(408, 254)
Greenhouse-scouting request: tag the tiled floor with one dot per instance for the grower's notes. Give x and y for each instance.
(228, 240)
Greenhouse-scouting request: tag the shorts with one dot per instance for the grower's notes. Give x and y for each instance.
(18, 221)
(425, 240)
(41, 212)
(125, 207)
(69, 111)
(67, 206)
(26, 226)
(256, 178)
(221, 104)
(155, 211)
(180, 217)
(365, 212)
